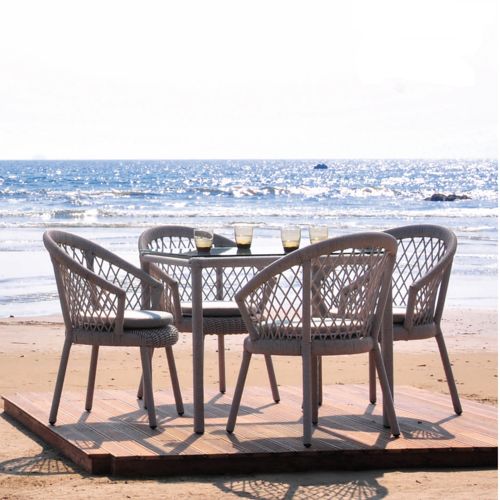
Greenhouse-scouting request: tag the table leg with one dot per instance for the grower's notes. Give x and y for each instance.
(387, 349)
(198, 341)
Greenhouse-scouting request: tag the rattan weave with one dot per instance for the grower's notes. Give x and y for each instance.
(324, 299)
(96, 288)
(419, 285)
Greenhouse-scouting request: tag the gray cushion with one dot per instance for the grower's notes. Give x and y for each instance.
(217, 309)
(146, 319)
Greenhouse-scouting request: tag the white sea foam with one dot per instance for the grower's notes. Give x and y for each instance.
(112, 202)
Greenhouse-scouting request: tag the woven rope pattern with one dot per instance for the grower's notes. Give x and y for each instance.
(426, 298)
(416, 256)
(119, 277)
(168, 296)
(90, 306)
(344, 292)
(150, 337)
(223, 326)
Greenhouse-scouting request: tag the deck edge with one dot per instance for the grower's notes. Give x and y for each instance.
(98, 463)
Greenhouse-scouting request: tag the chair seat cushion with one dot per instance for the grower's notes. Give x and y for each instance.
(328, 336)
(164, 336)
(319, 346)
(329, 328)
(215, 309)
(146, 319)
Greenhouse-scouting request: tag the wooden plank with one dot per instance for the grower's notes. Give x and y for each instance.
(179, 440)
(98, 463)
(431, 403)
(461, 427)
(70, 421)
(410, 408)
(444, 399)
(424, 405)
(115, 436)
(138, 428)
(172, 440)
(346, 413)
(214, 412)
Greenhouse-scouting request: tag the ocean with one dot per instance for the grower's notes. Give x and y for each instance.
(112, 202)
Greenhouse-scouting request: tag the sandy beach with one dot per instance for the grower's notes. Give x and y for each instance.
(30, 349)
(116, 117)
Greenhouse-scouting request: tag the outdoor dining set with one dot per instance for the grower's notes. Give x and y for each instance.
(352, 294)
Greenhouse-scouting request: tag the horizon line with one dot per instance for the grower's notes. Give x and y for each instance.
(259, 159)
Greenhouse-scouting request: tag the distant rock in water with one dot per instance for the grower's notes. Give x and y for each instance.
(447, 197)
(320, 166)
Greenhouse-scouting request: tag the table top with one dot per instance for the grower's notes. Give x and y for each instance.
(215, 252)
(260, 249)
(219, 252)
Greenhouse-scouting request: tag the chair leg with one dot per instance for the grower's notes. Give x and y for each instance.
(315, 388)
(175, 381)
(238, 392)
(140, 389)
(272, 378)
(60, 380)
(307, 396)
(145, 402)
(449, 373)
(148, 385)
(372, 378)
(222, 364)
(386, 391)
(320, 380)
(92, 373)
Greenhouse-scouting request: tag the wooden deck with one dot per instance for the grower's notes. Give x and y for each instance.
(116, 439)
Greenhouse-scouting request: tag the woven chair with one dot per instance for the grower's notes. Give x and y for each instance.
(324, 299)
(103, 304)
(419, 285)
(221, 315)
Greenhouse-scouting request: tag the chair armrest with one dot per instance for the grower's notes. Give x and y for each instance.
(422, 296)
(90, 300)
(252, 299)
(170, 299)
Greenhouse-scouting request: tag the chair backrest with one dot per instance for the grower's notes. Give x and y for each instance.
(333, 290)
(94, 284)
(422, 269)
(218, 283)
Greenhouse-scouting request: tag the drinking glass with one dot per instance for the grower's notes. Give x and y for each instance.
(290, 238)
(203, 238)
(243, 234)
(317, 233)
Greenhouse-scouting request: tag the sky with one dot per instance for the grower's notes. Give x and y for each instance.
(256, 79)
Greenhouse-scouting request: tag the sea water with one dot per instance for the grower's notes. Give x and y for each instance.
(112, 202)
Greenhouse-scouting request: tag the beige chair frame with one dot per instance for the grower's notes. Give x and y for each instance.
(420, 282)
(324, 299)
(97, 289)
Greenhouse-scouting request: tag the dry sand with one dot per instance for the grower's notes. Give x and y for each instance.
(29, 354)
